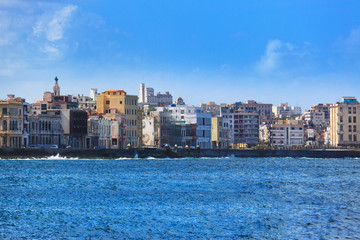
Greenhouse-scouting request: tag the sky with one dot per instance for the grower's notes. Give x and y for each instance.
(301, 52)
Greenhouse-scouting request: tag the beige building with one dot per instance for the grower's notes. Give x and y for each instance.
(120, 102)
(217, 132)
(344, 123)
(12, 122)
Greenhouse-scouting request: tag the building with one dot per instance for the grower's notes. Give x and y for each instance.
(118, 102)
(246, 126)
(282, 135)
(227, 113)
(181, 125)
(85, 103)
(263, 109)
(210, 107)
(74, 125)
(13, 132)
(217, 133)
(45, 130)
(318, 115)
(53, 100)
(285, 111)
(344, 123)
(147, 97)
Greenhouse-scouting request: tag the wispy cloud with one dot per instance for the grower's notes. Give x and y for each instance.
(60, 20)
(278, 54)
(352, 42)
(55, 27)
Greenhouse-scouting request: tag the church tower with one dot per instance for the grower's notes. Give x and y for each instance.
(56, 87)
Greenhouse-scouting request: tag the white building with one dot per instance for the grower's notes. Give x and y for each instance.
(282, 135)
(158, 125)
(147, 96)
(284, 110)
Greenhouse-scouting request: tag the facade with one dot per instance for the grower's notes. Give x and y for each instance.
(74, 124)
(147, 96)
(318, 115)
(172, 125)
(53, 100)
(284, 110)
(211, 107)
(85, 103)
(344, 123)
(45, 130)
(217, 133)
(227, 113)
(264, 109)
(12, 133)
(118, 102)
(246, 127)
(282, 135)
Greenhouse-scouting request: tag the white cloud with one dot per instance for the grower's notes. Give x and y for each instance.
(352, 42)
(275, 49)
(56, 26)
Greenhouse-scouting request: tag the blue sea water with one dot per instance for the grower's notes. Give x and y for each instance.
(207, 198)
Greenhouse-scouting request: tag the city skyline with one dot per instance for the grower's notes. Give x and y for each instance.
(222, 52)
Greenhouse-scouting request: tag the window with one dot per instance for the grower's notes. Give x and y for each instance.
(354, 110)
(354, 128)
(120, 102)
(341, 119)
(349, 110)
(349, 119)
(350, 128)
(350, 137)
(354, 119)
(4, 111)
(341, 137)
(355, 139)
(107, 102)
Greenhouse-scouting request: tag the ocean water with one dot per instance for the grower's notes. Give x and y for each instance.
(218, 198)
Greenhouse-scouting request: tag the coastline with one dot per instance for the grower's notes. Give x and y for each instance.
(7, 153)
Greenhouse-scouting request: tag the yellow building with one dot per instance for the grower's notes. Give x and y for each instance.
(120, 102)
(345, 123)
(217, 132)
(11, 123)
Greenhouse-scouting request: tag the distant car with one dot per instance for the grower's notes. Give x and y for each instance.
(54, 146)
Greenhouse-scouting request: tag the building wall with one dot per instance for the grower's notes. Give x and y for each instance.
(345, 124)
(45, 130)
(11, 124)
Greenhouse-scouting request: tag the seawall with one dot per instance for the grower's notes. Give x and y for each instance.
(6, 153)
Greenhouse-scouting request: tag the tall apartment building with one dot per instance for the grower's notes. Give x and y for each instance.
(264, 109)
(121, 103)
(344, 123)
(246, 127)
(227, 113)
(217, 133)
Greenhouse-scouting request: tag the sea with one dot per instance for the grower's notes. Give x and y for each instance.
(202, 198)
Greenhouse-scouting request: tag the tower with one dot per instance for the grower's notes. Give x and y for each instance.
(141, 93)
(56, 87)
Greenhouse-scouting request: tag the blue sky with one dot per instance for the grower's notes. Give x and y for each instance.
(300, 52)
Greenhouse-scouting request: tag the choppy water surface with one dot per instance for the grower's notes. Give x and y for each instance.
(231, 198)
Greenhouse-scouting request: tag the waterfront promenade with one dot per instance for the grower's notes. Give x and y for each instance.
(174, 153)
